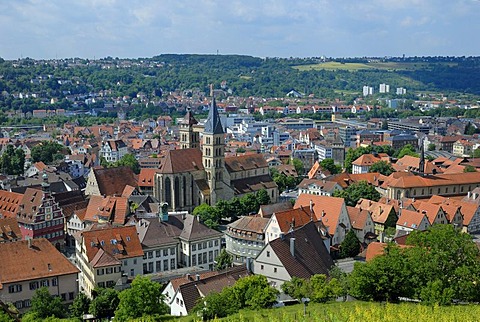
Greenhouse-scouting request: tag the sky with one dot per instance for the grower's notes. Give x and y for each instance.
(47, 29)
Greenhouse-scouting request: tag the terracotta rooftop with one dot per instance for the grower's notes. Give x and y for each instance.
(245, 162)
(112, 181)
(327, 209)
(42, 260)
(9, 230)
(436, 180)
(9, 202)
(183, 160)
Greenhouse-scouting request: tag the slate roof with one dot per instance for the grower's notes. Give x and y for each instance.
(112, 181)
(245, 162)
(22, 263)
(253, 184)
(311, 255)
(194, 290)
(213, 125)
(194, 230)
(268, 210)
(183, 160)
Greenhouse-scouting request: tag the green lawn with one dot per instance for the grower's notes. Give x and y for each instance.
(356, 311)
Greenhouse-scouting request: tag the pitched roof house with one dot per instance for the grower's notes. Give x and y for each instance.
(30, 264)
(300, 253)
(110, 181)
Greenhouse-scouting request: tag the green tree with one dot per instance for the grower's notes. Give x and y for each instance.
(129, 160)
(249, 203)
(350, 246)
(12, 161)
(263, 197)
(476, 153)
(431, 147)
(104, 303)
(382, 167)
(299, 167)
(143, 298)
(79, 306)
(357, 190)
(297, 288)
(208, 214)
(48, 151)
(329, 164)
(45, 305)
(223, 260)
(254, 292)
(407, 149)
(469, 168)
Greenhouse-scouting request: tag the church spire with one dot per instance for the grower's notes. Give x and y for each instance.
(213, 125)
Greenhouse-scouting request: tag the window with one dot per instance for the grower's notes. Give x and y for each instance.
(216, 242)
(71, 296)
(165, 264)
(199, 246)
(44, 283)
(274, 269)
(210, 256)
(132, 272)
(33, 286)
(19, 304)
(157, 253)
(205, 257)
(268, 253)
(150, 267)
(54, 281)
(158, 266)
(172, 251)
(165, 252)
(194, 247)
(101, 284)
(210, 243)
(27, 303)
(109, 270)
(172, 263)
(134, 261)
(261, 267)
(194, 260)
(64, 296)
(150, 255)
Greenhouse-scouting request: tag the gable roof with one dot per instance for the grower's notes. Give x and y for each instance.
(113, 209)
(268, 210)
(293, 218)
(358, 217)
(379, 211)
(9, 202)
(183, 160)
(146, 177)
(9, 230)
(117, 242)
(40, 260)
(327, 209)
(112, 181)
(411, 219)
(310, 254)
(194, 230)
(245, 162)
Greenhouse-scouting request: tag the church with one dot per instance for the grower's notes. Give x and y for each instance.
(199, 173)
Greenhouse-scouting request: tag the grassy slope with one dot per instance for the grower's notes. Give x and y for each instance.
(357, 311)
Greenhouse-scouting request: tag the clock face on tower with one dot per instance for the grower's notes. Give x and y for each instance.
(48, 213)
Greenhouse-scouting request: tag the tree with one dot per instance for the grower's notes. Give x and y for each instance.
(45, 305)
(12, 161)
(299, 167)
(431, 147)
(47, 152)
(350, 247)
(357, 190)
(79, 306)
(469, 168)
(208, 214)
(254, 292)
(263, 198)
(129, 160)
(329, 165)
(249, 203)
(104, 303)
(143, 298)
(382, 167)
(297, 288)
(476, 153)
(407, 149)
(223, 260)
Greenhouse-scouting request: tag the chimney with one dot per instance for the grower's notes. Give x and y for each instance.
(469, 195)
(188, 277)
(292, 246)
(29, 242)
(197, 277)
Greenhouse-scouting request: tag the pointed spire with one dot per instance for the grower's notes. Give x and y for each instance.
(421, 166)
(213, 124)
(189, 118)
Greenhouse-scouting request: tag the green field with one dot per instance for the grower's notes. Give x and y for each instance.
(357, 311)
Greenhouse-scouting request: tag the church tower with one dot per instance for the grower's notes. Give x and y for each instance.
(188, 137)
(213, 154)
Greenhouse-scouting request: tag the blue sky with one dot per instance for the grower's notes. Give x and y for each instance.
(263, 28)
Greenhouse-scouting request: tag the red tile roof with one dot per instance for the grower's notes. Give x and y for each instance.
(9, 202)
(327, 209)
(21, 262)
(9, 230)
